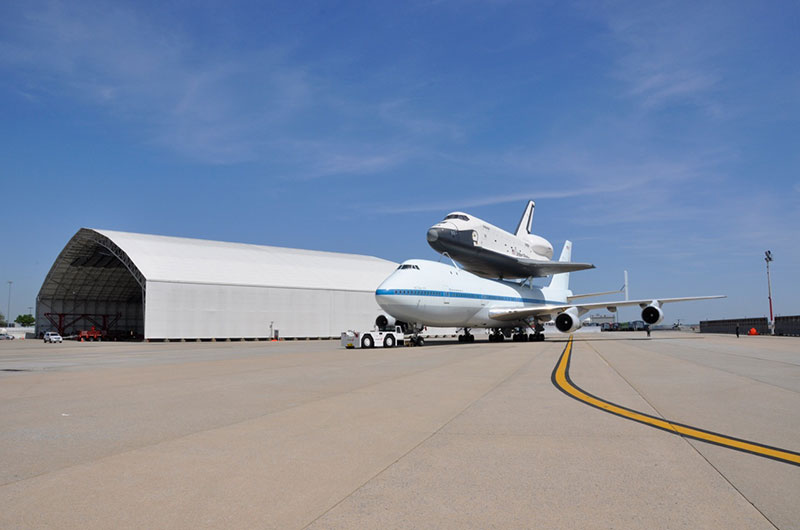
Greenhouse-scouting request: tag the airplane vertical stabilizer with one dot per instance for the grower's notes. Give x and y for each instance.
(525, 224)
(561, 281)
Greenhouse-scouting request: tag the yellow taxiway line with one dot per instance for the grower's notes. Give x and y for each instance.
(563, 382)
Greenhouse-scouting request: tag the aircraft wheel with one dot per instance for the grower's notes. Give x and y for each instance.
(420, 341)
(461, 338)
(388, 342)
(367, 342)
(471, 338)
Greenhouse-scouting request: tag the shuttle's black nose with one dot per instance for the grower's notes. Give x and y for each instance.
(433, 235)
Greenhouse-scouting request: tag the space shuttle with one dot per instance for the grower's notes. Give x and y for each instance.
(491, 252)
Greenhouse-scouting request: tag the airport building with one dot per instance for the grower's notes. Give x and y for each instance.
(156, 287)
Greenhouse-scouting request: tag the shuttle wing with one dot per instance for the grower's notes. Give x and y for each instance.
(546, 268)
(519, 313)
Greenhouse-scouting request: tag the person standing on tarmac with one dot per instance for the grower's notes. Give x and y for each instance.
(737, 331)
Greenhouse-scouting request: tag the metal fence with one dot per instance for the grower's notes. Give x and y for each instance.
(787, 325)
(783, 325)
(729, 325)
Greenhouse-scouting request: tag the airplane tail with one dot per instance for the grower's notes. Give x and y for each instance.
(561, 281)
(525, 224)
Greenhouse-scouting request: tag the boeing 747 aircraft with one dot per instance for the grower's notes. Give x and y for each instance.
(427, 293)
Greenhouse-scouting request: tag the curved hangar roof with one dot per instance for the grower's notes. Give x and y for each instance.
(174, 259)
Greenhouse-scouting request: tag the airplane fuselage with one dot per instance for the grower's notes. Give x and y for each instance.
(437, 294)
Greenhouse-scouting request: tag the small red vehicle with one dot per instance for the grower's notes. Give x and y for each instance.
(90, 334)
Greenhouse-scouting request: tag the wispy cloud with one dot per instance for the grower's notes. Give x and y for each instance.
(215, 108)
(472, 202)
(669, 54)
(219, 107)
(340, 157)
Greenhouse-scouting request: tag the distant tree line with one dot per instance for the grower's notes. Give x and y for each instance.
(25, 320)
(22, 320)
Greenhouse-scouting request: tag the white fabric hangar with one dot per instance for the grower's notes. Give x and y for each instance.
(158, 287)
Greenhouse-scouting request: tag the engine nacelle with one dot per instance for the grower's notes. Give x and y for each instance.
(652, 314)
(568, 321)
(385, 321)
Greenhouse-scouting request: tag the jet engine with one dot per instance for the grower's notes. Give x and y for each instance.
(652, 314)
(568, 321)
(385, 321)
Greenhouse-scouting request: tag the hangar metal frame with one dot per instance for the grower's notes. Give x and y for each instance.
(90, 267)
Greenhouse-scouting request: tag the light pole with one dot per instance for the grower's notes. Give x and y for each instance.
(8, 309)
(768, 258)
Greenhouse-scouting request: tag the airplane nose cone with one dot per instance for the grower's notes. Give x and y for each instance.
(433, 235)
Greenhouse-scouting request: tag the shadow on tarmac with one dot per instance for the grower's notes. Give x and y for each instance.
(442, 342)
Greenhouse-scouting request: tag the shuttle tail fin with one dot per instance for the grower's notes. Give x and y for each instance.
(525, 224)
(561, 281)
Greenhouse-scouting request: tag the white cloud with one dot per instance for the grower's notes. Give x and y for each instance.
(669, 52)
(217, 109)
(331, 158)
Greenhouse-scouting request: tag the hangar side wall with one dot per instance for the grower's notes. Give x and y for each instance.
(176, 310)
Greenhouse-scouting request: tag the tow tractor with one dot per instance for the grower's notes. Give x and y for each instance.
(387, 333)
(379, 337)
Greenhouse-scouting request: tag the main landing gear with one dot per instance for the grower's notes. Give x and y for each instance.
(497, 335)
(466, 337)
(538, 335)
(416, 340)
(518, 335)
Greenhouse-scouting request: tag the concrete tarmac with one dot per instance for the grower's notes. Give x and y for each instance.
(306, 434)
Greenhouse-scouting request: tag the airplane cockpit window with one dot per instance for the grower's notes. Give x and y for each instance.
(457, 216)
(407, 266)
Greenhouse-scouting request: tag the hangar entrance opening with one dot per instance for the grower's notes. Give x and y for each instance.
(92, 284)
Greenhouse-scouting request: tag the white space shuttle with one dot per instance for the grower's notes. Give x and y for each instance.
(491, 252)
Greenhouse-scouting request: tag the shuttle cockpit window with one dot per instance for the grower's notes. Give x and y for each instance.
(407, 266)
(457, 216)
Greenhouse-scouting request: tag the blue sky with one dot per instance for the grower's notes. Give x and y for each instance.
(662, 138)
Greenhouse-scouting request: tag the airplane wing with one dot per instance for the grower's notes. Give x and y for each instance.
(519, 313)
(546, 268)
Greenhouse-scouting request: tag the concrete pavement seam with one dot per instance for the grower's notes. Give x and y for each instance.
(431, 435)
(318, 397)
(681, 359)
(685, 439)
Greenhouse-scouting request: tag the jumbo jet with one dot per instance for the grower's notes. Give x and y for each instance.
(428, 293)
(491, 252)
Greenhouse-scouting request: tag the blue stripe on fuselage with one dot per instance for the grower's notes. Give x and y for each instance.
(453, 294)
